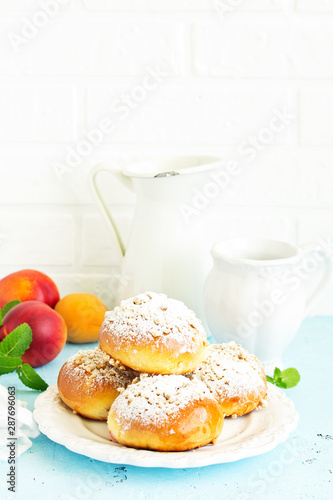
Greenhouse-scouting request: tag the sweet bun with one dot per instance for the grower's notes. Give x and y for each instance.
(89, 383)
(235, 378)
(152, 333)
(165, 413)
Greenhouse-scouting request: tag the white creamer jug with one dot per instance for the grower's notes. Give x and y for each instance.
(164, 253)
(255, 293)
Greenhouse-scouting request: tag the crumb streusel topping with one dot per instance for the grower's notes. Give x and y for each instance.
(230, 371)
(101, 367)
(153, 400)
(153, 316)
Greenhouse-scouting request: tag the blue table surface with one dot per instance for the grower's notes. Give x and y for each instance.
(50, 471)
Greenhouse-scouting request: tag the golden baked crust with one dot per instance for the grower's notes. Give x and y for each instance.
(235, 378)
(165, 413)
(89, 382)
(152, 333)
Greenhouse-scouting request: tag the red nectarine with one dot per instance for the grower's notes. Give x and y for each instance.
(28, 285)
(49, 331)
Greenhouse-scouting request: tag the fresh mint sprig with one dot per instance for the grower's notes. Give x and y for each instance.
(7, 308)
(17, 342)
(285, 379)
(12, 347)
(30, 378)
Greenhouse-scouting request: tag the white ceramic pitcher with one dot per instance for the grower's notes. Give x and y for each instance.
(164, 253)
(255, 294)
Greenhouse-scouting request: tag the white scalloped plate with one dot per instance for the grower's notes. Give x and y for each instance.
(242, 437)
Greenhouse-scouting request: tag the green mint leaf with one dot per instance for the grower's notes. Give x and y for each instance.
(286, 379)
(9, 306)
(8, 365)
(16, 342)
(290, 377)
(30, 378)
(277, 373)
(280, 383)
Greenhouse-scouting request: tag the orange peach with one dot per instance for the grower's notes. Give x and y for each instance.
(83, 313)
(49, 330)
(28, 285)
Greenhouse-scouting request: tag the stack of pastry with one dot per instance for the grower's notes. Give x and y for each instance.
(156, 379)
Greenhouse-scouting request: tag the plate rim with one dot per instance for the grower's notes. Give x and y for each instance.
(149, 458)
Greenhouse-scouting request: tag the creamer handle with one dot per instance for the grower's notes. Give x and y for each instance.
(324, 256)
(126, 181)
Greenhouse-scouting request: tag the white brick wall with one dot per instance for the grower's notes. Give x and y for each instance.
(316, 116)
(230, 65)
(31, 113)
(315, 5)
(264, 48)
(37, 239)
(163, 116)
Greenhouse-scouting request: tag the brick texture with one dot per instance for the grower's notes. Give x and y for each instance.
(38, 113)
(275, 49)
(231, 67)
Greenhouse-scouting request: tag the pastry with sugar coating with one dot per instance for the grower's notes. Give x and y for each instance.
(152, 333)
(90, 381)
(165, 413)
(235, 378)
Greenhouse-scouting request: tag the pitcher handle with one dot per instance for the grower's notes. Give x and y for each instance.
(126, 181)
(326, 279)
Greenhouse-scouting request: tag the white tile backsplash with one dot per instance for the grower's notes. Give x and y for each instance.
(263, 49)
(86, 46)
(314, 5)
(38, 113)
(206, 114)
(228, 74)
(37, 239)
(316, 116)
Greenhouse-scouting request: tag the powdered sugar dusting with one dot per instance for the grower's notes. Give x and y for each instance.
(155, 399)
(230, 371)
(153, 317)
(100, 368)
